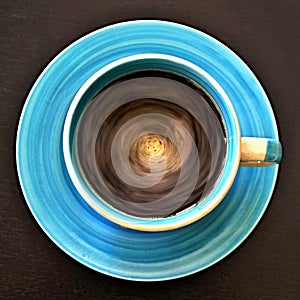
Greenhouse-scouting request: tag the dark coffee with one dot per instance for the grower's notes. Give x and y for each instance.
(151, 144)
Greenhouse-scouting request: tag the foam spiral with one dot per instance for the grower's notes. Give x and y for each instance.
(150, 146)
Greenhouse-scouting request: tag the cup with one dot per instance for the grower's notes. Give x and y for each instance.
(153, 143)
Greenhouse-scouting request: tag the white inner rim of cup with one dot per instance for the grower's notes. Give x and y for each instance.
(108, 211)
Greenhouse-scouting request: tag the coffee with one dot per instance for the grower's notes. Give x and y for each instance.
(151, 144)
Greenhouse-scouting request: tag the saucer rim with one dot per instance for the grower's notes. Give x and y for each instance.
(39, 220)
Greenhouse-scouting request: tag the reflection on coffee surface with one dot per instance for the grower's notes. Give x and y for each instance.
(151, 144)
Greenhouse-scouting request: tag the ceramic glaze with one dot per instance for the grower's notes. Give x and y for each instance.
(82, 104)
(72, 224)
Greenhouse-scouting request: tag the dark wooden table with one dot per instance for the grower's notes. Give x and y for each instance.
(266, 35)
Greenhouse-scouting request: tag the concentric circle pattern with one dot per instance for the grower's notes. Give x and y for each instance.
(150, 145)
(79, 230)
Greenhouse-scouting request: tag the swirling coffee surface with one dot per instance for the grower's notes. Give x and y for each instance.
(151, 144)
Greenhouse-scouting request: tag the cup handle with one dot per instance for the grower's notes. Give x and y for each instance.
(259, 152)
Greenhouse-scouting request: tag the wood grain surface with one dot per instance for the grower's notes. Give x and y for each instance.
(266, 35)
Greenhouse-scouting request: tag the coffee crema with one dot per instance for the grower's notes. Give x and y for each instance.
(151, 144)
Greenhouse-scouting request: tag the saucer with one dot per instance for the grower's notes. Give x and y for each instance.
(76, 228)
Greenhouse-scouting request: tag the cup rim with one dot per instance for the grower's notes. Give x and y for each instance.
(194, 212)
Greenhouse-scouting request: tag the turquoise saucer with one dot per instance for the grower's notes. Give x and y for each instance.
(72, 224)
